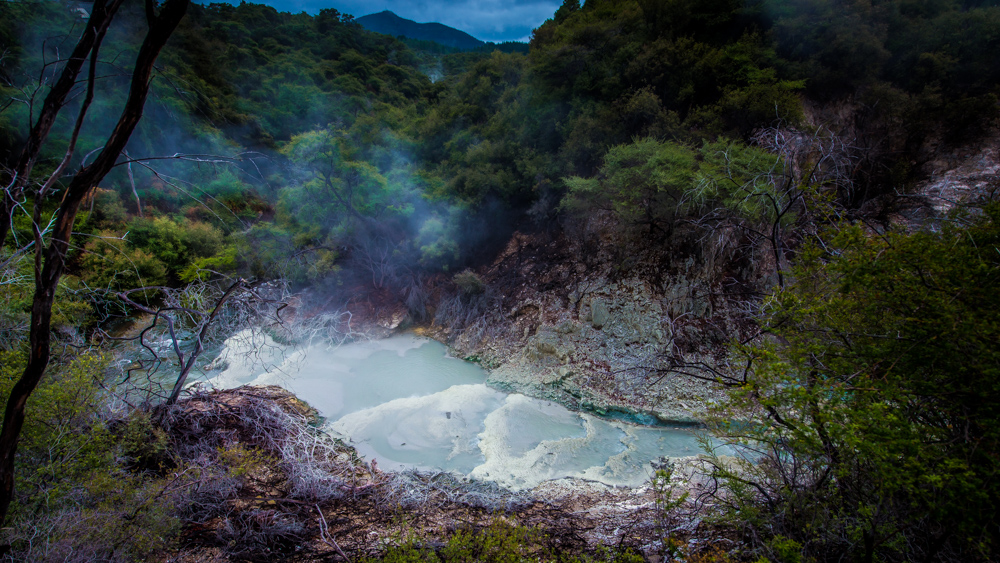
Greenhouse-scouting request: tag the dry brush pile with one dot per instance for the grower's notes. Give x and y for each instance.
(255, 478)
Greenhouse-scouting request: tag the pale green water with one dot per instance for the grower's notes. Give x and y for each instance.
(406, 403)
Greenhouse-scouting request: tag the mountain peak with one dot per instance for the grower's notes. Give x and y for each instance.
(391, 24)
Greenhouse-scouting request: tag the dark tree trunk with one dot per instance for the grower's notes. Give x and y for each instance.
(175, 393)
(51, 261)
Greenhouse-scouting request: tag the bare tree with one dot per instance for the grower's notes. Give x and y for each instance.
(797, 185)
(50, 255)
(208, 311)
(380, 255)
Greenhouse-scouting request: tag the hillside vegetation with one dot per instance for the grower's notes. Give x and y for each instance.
(283, 154)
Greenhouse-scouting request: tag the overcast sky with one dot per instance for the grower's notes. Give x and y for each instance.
(489, 20)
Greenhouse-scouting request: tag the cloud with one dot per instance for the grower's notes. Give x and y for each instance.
(489, 20)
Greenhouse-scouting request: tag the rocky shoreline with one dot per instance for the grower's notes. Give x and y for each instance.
(362, 509)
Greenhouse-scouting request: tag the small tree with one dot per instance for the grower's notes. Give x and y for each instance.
(51, 242)
(645, 183)
(209, 311)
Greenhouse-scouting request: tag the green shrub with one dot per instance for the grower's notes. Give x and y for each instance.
(70, 312)
(880, 386)
(469, 283)
(499, 542)
(656, 183)
(224, 262)
(175, 243)
(109, 210)
(109, 262)
(78, 493)
(154, 252)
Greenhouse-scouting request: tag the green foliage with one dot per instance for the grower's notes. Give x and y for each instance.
(655, 183)
(844, 45)
(109, 211)
(75, 494)
(880, 386)
(499, 542)
(109, 262)
(745, 181)
(642, 183)
(282, 73)
(70, 312)
(229, 201)
(667, 500)
(15, 305)
(469, 283)
(786, 550)
(700, 59)
(352, 112)
(155, 251)
(174, 243)
(268, 252)
(224, 262)
(336, 187)
(497, 130)
(436, 242)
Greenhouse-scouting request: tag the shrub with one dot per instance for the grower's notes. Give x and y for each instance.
(108, 208)
(877, 391)
(176, 244)
(109, 262)
(499, 542)
(77, 499)
(469, 283)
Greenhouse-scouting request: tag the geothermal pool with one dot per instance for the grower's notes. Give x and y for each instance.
(404, 402)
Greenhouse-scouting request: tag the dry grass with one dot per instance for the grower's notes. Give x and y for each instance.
(259, 480)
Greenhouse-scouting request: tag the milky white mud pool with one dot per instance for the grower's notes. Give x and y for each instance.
(406, 403)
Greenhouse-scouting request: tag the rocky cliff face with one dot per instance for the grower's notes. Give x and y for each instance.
(968, 174)
(615, 321)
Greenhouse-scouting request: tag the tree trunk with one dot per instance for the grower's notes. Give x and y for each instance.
(51, 261)
(101, 15)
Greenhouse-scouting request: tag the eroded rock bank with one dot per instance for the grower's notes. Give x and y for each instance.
(607, 319)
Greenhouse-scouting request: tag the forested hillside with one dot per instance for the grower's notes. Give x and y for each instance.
(298, 101)
(307, 161)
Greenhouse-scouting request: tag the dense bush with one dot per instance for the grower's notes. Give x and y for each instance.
(873, 402)
(109, 262)
(656, 184)
(78, 497)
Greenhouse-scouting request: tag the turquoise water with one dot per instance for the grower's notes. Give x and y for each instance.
(404, 402)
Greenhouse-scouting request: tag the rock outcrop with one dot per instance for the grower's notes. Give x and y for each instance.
(599, 322)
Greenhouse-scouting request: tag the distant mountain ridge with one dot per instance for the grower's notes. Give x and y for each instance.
(390, 24)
